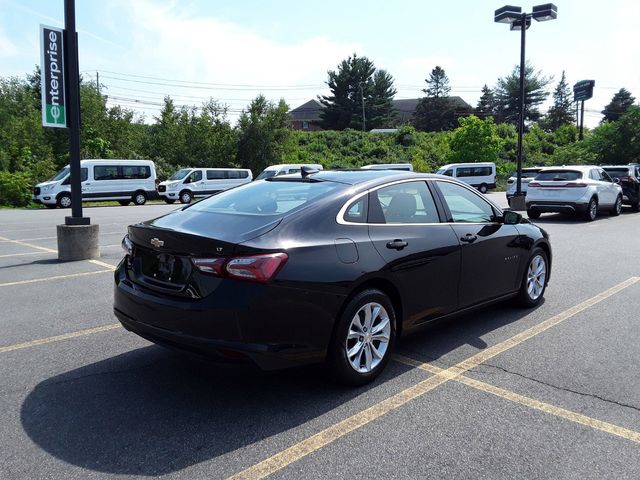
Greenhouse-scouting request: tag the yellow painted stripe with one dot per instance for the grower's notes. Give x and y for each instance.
(49, 250)
(530, 402)
(57, 277)
(58, 338)
(311, 444)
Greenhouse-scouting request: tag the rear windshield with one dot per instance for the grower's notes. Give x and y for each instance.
(266, 174)
(267, 198)
(559, 175)
(526, 174)
(617, 172)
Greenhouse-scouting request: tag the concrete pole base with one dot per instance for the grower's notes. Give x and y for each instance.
(78, 242)
(518, 203)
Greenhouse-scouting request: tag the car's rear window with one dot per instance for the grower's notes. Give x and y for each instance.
(267, 198)
(617, 172)
(559, 175)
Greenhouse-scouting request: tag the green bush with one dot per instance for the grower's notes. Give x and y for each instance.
(15, 189)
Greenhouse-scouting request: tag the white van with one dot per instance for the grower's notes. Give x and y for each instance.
(101, 180)
(285, 169)
(188, 183)
(479, 175)
(389, 166)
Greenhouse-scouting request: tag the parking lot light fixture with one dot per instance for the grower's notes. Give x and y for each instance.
(519, 20)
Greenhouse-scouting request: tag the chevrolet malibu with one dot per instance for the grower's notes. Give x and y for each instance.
(329, 267)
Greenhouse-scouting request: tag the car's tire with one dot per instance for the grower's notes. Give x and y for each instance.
(617, 207)
(124, 203)
(635, 207)
(534, 279)
(483, 188)
(50, 205)
(591, 213)
(139, 198)
(169, 201)
(186, 196)
(363, 338)
(533, 213)
(64, 200)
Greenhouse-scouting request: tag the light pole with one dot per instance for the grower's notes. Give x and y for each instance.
(520, 20)
(364, 119)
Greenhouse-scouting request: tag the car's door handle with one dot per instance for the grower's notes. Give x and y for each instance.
(469, 238)
(397, 244)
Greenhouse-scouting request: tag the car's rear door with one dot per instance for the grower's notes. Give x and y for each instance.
(491, 254)
(422, 254)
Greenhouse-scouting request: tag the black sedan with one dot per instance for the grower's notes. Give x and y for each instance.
(324, 267)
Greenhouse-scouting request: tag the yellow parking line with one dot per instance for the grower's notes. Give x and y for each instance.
(57, 338)
(309, 445)
(529, 402)
(57, 277)
(49, 250)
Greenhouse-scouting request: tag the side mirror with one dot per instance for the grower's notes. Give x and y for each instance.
(616, 180)
(509, 217)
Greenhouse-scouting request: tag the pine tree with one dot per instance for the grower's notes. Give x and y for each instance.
(507, 94)
(487, 103)
(619, 104)
(438, 84)
(437, 111)
(563, 110)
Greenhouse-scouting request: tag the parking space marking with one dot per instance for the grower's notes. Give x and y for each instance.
(56, 277)
(53, 238)
(330, 434)
(49, 250)
(528, 402)
(21, 254)
(57, 338)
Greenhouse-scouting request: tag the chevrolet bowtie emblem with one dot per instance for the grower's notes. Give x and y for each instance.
(156, 242)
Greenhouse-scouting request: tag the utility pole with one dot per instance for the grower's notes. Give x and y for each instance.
(98, 81)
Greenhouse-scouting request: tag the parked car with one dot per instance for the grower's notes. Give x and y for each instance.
(528, 174)
(479, 175)
(101, 180)
(255, 274)
(189, 183)
(389, 166)
(628, 176)
(285, 169)
(585, 190)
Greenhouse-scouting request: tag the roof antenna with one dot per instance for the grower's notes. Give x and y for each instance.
(306, 171)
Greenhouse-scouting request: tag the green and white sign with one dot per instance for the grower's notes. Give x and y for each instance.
(54, 111)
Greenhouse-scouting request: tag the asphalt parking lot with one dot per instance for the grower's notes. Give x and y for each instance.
(552, 392)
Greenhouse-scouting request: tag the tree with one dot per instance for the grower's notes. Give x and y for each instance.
(507, 94)
(563, 110)
(438, 84)
(487, 104)
(619, 104)
(617, 142)
(475, 140)
(263, 134)
(357, 78)
(437, 111)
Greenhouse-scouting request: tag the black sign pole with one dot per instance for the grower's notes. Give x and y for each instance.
(582, 120)
(73, 97)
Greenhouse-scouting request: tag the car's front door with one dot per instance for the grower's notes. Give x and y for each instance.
(422, 254)
(196, 183)
(491, 251)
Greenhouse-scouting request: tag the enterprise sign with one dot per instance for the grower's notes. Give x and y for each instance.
(54, 112)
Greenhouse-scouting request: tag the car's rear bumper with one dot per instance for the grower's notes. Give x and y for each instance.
(555, 206)
(273, 327)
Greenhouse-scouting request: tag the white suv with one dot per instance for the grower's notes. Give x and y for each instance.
(528, 174)
(585, 190)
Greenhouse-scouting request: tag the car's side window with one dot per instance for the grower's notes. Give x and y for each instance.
(409, 202)
(605, 176)
(357, 211)
(195, 176)
(595, 175)
(465, 205)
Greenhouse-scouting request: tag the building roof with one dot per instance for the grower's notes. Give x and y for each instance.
(309, 111)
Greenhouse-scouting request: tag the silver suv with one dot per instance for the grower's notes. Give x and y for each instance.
(584, 190)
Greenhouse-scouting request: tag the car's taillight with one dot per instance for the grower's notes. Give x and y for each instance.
(256, 268)
(576, 185)
(157, 182)
(534, 185)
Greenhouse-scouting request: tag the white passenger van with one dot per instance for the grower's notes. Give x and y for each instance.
(479, 175)
(101, 180)
(389, 166)
(285, 169)
(189, 183)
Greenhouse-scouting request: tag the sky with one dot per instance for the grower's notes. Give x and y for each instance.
(234, 50)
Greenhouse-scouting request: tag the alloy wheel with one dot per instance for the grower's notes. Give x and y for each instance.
(536, 277)
(65, 201)
(368, 338)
